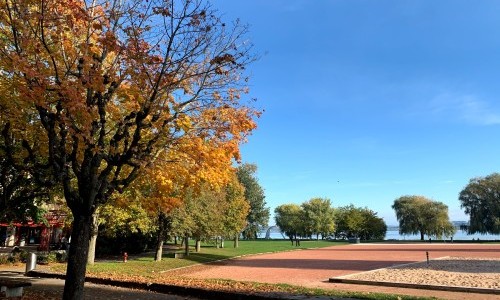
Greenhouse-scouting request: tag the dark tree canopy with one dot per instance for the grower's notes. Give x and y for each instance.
(417, 214)
(21, 188)
(481, 201)
(258, 217)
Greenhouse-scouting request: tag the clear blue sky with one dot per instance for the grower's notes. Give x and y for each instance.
(366, 101)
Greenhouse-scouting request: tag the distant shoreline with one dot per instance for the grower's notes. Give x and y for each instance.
(393, 234)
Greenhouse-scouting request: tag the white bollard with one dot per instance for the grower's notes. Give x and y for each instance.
(30, 262)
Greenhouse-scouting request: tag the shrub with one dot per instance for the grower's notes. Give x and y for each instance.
(46, 257)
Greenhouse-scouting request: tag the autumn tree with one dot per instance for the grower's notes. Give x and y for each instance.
(110, 85)
(417, 214)
(319, 216)
(481, 201)
(185, 169)
(254, 193)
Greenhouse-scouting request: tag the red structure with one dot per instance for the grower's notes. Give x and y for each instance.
(30, 233)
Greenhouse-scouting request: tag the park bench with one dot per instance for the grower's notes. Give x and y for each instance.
(10, 288)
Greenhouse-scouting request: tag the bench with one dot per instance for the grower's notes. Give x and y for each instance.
(12, 287)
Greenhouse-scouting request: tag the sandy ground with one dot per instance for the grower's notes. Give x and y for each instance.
(448, 271)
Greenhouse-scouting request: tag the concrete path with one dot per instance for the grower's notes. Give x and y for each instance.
(49, 288)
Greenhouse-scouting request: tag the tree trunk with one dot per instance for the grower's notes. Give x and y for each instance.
(222, 242)
(421, 235)
(186, 245)
(159, 250)
(94, 230)
(198, 245)
(160, 238)
(77, 258)
(236, 241)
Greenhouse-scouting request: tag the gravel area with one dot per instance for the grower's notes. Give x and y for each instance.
(448, 271)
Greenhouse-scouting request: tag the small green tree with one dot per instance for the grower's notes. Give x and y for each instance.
(374, 226)
(319, 215)
(290, 219)
(481, 201)
(359, 222)
(417, 214)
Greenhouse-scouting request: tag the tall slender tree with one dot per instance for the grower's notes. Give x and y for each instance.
(259, 214)
(110, 85)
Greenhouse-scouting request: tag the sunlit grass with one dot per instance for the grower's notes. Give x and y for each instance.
(144, 264)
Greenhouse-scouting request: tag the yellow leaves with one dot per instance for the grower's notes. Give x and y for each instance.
(183, 122)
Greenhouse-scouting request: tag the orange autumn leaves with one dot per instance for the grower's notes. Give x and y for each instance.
(107, 84)
(194, 163)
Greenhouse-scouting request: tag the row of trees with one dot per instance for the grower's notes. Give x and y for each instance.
(480, 199)
(318, 217)
(203, 213)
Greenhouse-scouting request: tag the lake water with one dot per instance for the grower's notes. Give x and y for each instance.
(394, 235)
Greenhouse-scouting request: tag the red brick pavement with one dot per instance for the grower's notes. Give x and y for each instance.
(313, 268)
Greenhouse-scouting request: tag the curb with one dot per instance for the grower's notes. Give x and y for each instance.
(417, 286)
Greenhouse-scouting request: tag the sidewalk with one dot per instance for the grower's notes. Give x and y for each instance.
(51, 289)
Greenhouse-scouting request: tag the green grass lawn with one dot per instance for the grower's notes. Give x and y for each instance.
(145, 266)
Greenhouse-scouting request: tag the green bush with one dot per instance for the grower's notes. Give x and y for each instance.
(46, 257)
(17, 255)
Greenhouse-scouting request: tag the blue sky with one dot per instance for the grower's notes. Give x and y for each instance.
(366, 101)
